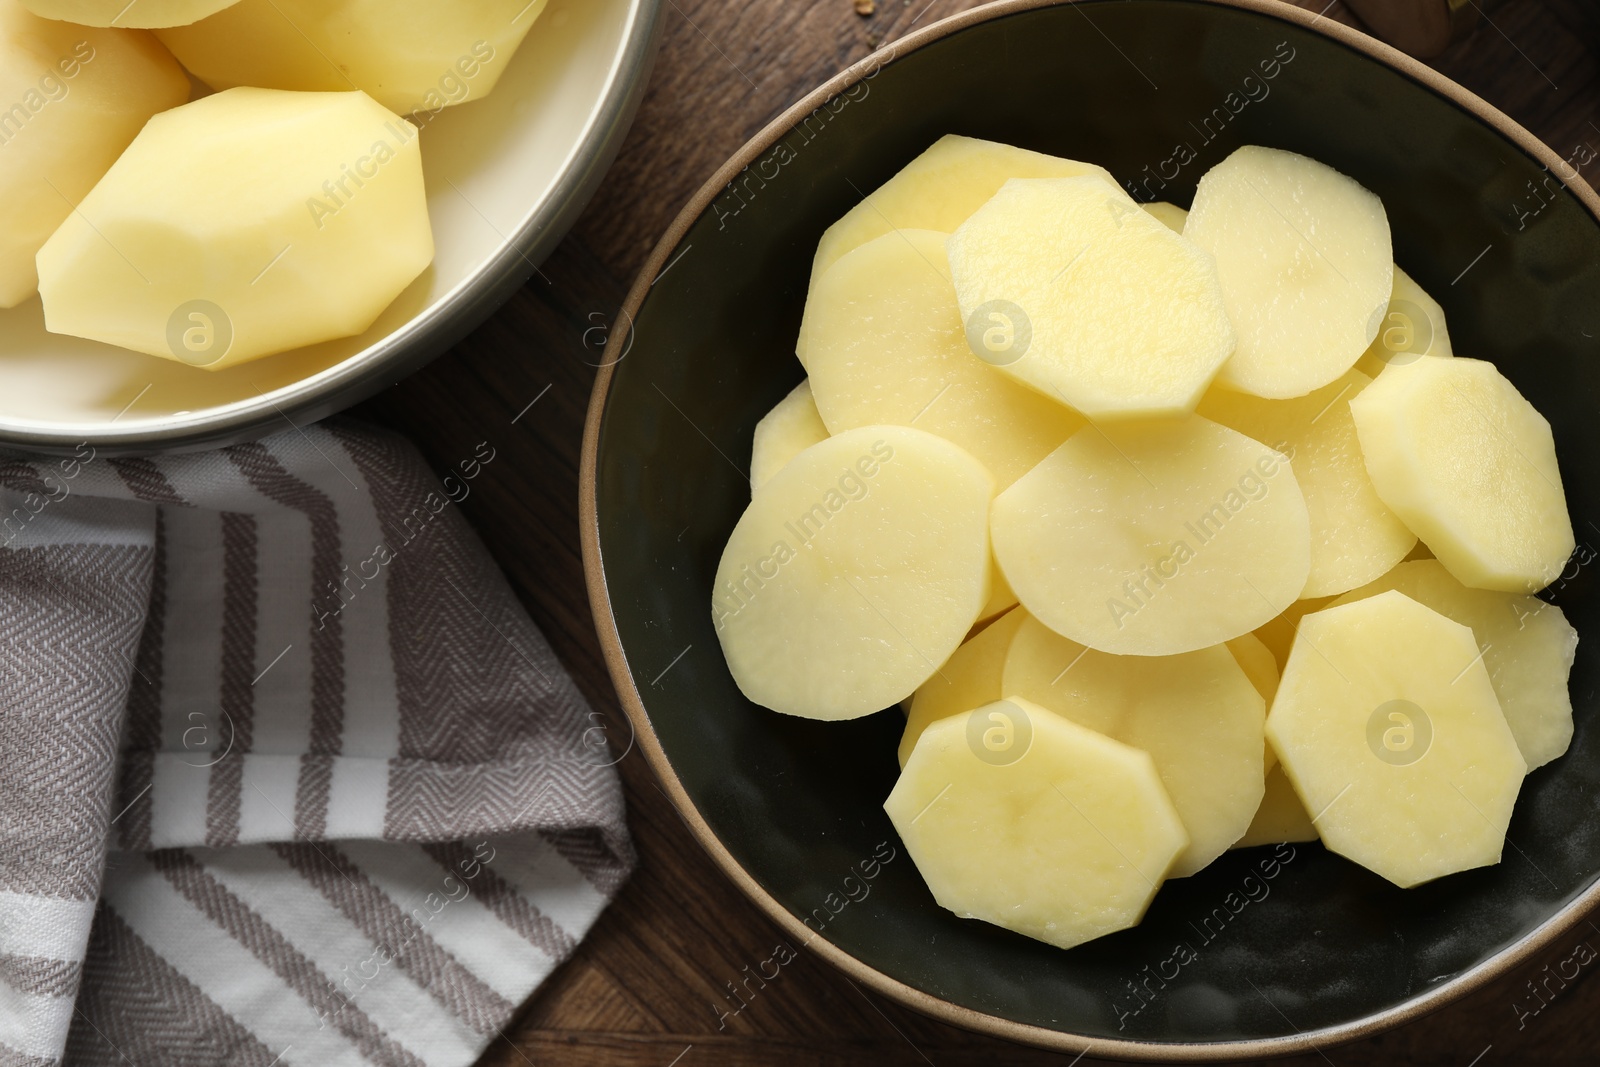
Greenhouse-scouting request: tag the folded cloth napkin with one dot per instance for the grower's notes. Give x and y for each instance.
(287, 776)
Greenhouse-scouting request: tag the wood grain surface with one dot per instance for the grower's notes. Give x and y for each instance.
(640, 990)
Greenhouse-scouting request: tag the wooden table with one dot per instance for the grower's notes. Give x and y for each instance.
(640, 990)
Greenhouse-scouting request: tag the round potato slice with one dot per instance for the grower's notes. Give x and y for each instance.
(1029, 821)
(1155, 538)
(887, 346)
(1306, 266)
(1197, 714)
(1528, 646)
(1466, 462)
(969, 679)
(854, 573)
(1388, 727)
(1096, 302)
(791, 427)
(1413, 326)
(1355, 538)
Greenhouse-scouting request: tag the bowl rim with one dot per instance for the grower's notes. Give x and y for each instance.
(426, 335)
(1501, 962)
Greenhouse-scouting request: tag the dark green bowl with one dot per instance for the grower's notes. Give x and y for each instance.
(1321, 950)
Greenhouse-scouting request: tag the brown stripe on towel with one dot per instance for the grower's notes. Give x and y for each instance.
(242, 923)
(239, 603)
(502, 898)
(270, 478)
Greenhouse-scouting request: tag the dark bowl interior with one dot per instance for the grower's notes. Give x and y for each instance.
(1321, 942)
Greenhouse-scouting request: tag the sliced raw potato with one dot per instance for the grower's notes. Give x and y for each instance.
(1528, 647)
(855, 572)
(1001, 596)
(887, 346)
(1155, 538)
(1305, 262)
(1278, 634)
(969, 679)
(410, 55)
(1170, 215)
(1029, 821)
(1355, 538)
(1257, 662)
(1469, 465)
(1389, 729)
(77, 97)
(788, 429)
(939, 190)
(1197, 714)
(213, 240)
(1413, 326)
(144, 14)
(1281, 816)
(1072, 289)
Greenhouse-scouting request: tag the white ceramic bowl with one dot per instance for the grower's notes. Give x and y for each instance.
(506, 177)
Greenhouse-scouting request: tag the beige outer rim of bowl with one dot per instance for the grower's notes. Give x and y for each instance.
(622, 676)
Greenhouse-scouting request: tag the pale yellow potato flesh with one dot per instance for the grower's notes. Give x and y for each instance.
(1388, 727)
(1306, 267)
(1155, 538)
(887, 346)
(854, 573)
(136, 14)
(1528, 647)
(1197, 714)
(1281, 816)
(1029, 821)
(1001, 596)
(214, 239)
(75, 98)
(1104, 308)
(969, 679)
(409, 55)
(1413, 326)
(1355, 538)
(1170, 215)
(939, 190)
(1259, 665)
(1278, 633)
(1470, 466)
(791, 427)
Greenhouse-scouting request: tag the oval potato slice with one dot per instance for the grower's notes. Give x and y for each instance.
(1155, 538)
(791, 427)
(854, 573)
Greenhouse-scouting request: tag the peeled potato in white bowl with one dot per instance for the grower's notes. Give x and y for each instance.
(139, 14)
(855, 572)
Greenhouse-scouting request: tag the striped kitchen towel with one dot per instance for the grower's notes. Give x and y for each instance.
(287, 775)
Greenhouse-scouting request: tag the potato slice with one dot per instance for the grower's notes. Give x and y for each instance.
(939, 190)
(77, 98)
(1388, 727)
(887, 346)
(1001, 596)
(244, 224)
(1155, 538)
(1281, 816)
(1306, 265)
(410, 55)
(854, 573)
(969, 679)
(790, 428)
(1029, 821)
(1355, 538)
(1197, 714)
(1470, 466)
(1278, 634)
(1171, 216)
(1413, 326)
(1106, 309)
(137, 14)
(1258, 664)
(1528, 647)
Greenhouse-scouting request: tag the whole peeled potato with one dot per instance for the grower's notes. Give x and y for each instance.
(409, 55)
(71, 99)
